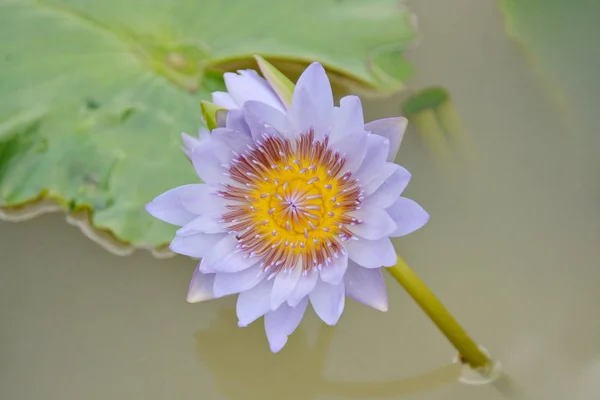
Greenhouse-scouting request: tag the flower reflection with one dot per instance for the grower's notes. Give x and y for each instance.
(243, 370)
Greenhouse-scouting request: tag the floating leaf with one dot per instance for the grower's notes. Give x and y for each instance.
(95, 94)
(560, 39)
(433, 113)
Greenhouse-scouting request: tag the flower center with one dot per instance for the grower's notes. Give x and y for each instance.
(291, 202)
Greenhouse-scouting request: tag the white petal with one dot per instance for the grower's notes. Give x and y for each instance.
(408, 215)
(237, 282)
(305, 285)
(226, 257)
(232, 140)
(168, 207)
(376, 223)
(207, 223)
(263, 119)
(302, 115)
(281, 323)
(207, 163)
(367, 286)
(328, 301)
(372, 253)
(200, 287)
(391, 128)
(284, 285)
(333, 272)
(248, 85)
(375, 161)
(347, 119)
(195, 245)
(254, 303)
(223, 99)
(390, 189)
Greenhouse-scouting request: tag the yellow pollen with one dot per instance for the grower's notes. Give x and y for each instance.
(291, 202)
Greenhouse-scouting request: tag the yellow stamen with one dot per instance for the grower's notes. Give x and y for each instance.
(293, 208)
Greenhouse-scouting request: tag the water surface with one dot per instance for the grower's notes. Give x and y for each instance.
(511, 248)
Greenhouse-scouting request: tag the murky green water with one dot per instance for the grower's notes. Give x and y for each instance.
(511, 248)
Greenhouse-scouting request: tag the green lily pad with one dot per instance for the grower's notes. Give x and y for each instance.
(95, 94)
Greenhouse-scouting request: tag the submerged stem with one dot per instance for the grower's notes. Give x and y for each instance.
(433, 307)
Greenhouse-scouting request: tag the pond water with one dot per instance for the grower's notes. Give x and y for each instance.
(511, 249)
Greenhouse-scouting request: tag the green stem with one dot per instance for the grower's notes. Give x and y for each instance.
(433, 307)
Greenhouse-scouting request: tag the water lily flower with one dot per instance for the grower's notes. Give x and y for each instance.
(298, 203)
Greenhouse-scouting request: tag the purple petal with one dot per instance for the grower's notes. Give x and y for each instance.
(207, 163)
(284, 285)
(372, 253)
(390, 189)
(353, 148)
(367, 286)
(347, 119)
(216, 147)
(195, 245)
(302, 115)
(201, 199)
(305, 285)
(270, 97)
(200, 287)
(248, 85)
(375, 161)
(226, 257)
(237, 282)
(207, 223)
(189, 143)
(281, 323)
(328, 301)
(376, 223)
(168, 207)
(203, 134)
(233, 140)
(315, 82)
(223, 99)
(254, 303)
(392, 129)
(371, 182)
(333, 272)
(264, 119)
(236, 120)
(408, 215)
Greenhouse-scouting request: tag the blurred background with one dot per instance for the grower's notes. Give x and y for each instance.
(501, 98)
